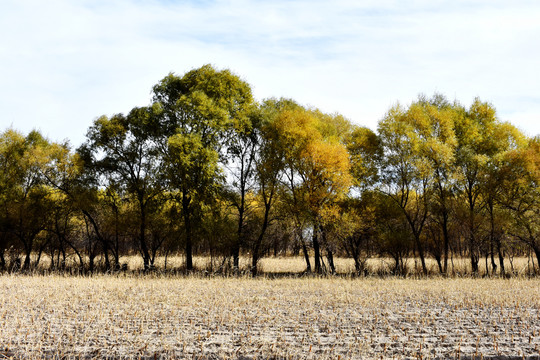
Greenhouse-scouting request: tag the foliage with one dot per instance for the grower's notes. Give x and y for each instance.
(206, 169)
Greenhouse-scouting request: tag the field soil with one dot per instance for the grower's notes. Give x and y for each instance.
(305, 318)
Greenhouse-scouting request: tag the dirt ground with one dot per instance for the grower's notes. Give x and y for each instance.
(115, 317)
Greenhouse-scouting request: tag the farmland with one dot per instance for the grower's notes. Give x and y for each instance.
(126, 316)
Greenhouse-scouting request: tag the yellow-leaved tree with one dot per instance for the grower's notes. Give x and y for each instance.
(317, 173)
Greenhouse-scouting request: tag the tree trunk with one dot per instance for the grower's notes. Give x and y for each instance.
(91, 263)
(330, 257)
(472, 239)
(474, 262)
(254, 262)
(239, 231)
(51, 254)
(2, 260)
(492, 256)
(306, 254)
(317, 251)
(187, 224)
(421, 253)
(189, 245)
(357, 265)
(439, 264)
(501, 257)
(28, 252)
(142, 239)
(445, 214)
(257, 249)
(355, 253)
(63, 265)
(537, 253)
(116, 245)
(446, 239)
(472, 249)
(81, 261)
(105, 248)
(492, 236)
(236, 256)
(396, 257)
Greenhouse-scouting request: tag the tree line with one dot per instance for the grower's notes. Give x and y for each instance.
(206, 169)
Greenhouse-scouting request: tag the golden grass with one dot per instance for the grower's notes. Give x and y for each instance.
(297, 264)
(307, 318)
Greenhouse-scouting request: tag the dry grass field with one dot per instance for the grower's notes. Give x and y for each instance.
(520, 266)
(290, 265)
(151, 317)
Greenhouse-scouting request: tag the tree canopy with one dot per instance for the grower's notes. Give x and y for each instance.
(205, 169)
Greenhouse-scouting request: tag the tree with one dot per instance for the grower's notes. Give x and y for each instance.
(102, 207)
(242, 153)
(29, 208)
(434, 123)
(269, 166)
(406, 174)
(481, 138)
(24, 193)
(12, 152)
(193, 174)
(521, 195)
(360, 209)
(316, 170)
(199, 113)
(124, 152)
(324, 169)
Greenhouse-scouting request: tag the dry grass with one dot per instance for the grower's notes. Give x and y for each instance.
(132, 317)
(520, 266)
(296, 265)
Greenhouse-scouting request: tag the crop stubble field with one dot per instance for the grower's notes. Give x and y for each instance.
(299, 318)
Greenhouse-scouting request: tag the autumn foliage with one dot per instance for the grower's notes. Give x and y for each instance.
(205, 169)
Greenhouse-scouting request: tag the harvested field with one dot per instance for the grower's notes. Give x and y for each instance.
(304, 318)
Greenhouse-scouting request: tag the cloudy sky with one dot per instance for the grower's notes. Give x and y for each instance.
(65, 62)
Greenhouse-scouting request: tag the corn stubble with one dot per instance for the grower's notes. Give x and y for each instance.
(232, 318)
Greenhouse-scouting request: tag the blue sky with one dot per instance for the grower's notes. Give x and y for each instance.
(63, 62)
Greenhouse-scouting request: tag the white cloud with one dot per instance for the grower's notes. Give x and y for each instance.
(63, 63)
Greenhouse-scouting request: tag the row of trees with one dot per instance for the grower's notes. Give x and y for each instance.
(204, 169)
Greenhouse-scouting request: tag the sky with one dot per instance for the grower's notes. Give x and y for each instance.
(63, 63)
